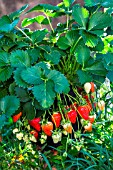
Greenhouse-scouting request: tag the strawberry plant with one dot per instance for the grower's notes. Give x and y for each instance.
(50, 77)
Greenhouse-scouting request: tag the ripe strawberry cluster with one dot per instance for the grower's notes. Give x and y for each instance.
(61, 122)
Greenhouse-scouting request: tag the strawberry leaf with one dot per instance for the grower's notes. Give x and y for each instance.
(20, 58)
(5, 73)
(44, 93)
(18, 79)
(84, 76)
(99, 20)
(60, 81)
(9, 104)
(32, 75)
(53, 57)
(82, 54)
(80, 15)
(30, 111)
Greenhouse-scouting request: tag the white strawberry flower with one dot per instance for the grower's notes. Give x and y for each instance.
(29, 146)
(19, 136)
(25, 138)
(15, 130)
(33, 152)
(33, 139)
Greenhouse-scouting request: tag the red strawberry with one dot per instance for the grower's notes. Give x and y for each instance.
(47, 128)
(92, 87)
(17, 117)
(83, 111)
(56, 118)
(71, 115)
(35, 123)
(34, 133)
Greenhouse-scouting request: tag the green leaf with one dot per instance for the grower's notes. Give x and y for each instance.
(67, 3)
(30, 111)
(110, 10)
(108, 61)
(97, 32)
(40, 19)
(91, 3)
(107, 3)
(82, 55)
(110, 76)
(104, 3)
(22, 94)
(43, 8)
(112, 23)
(97, 68)
(27, 21)
(20, 58)
(5, 73)
(63, 43)
(60, 81)
(32, 75)
(34, 54)
(12, 88)
(17, 13)
(80, 15)
(98, 80)
(9, 104)
(18, 79)
(47, 161)
(99, 46)
(99, 20)
(44, 93)
(53, 57)
(57, 14)
(4, 59)
(44, 66)
(89, 39)
(38, 106)
(3, 92)
(2, 120)
(6, 25)
(84, 76)
(39, 35)
(72, 36)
